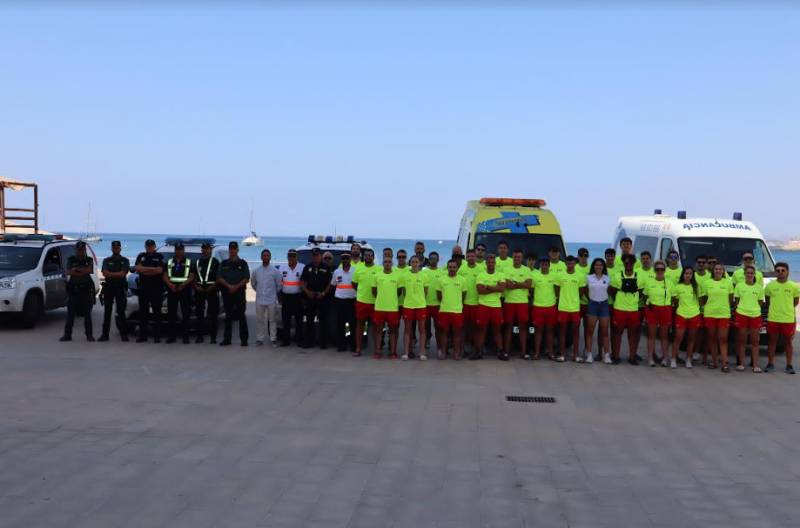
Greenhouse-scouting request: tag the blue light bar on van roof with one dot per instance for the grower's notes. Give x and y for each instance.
(190, 241)
(15, 237)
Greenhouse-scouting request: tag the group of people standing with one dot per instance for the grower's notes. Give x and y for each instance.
(474, 298)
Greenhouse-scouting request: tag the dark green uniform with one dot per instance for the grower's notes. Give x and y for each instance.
(178, 272)
(234, 271)
(80, 292)
(115, 290)
(207, 297)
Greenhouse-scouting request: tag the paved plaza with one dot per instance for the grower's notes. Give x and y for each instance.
(133, 435)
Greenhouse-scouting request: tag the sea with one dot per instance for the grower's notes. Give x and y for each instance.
(133, 243)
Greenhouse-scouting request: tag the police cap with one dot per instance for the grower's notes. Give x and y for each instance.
(179, 245)
(149, 242)
(233, 244)
(205, 245)
(316, 251)
(116, 243)
(292, 253)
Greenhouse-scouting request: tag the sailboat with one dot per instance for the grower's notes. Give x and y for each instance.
(252, 239)
(90, 235)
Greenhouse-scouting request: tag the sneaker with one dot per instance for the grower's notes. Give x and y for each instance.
(578, 359)
(423, 357)
(65, 338)
(607, 359)
(769, 368)
(404, 357)
(259, 342)
(651, 363)
(673, 364)
(527, 356)
(589, 359)
(689, 364)
(502, 356)
(696, 357)
(789, 369)
(665, 362)
(103, 338)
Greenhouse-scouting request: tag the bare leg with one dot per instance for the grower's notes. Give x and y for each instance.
(588, 334)
(722, 341)
(507, 334)
(523, 338)
(679, 332)
(788, 350)
(537, 341)
(603, 335)
(664, 337)
(576, 337)
(562, 338)
(422, 339)
(459, 343)
(713, 345)
(359, 336)
(633, 342)
(754, 351)
(690, 343)
(772, 344)
(549, 337)
(376, 340)
(741, 337)
(409, 337)
(497, 332)
(393, 331)
(651, 342)
(616, 341)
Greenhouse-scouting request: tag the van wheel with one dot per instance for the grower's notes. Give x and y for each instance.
(31, 309)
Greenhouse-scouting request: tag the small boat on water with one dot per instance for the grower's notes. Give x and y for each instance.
(90, 234)
(252, 239)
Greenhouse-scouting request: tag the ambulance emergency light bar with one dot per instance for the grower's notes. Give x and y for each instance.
(520, 202)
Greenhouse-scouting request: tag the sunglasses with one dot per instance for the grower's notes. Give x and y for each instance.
(701, 261)
(747, 258)
(673, 257)
(661, 270)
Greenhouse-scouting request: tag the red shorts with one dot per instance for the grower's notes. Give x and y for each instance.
(470, 313)
(717, 322)
(364, 311)
(659, 315)
(784, 329)
(692, 323)
(415, 314)
(629, 320)
(515, 313)
(447, 320)
(488, 315)
(391, 318)
(569, 317)
(433, 311)
(744, 322)
(544, 316)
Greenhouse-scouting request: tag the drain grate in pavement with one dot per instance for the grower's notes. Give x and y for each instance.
(531, 399)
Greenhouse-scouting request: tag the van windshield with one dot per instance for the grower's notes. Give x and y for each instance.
(16, 258)
(535, 244)
(728, 251)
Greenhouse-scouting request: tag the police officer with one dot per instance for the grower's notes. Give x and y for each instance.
(179, 276)
(234, 274)
(80, 291)
(315, 283)
(115, 289)
(150, 266)
(206, 294)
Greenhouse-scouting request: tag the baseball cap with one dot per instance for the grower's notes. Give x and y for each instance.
(179, 245)
(205, 245)
(292, 252)
(316, 251)
(233, 244)
(149, 242)
(116, 243)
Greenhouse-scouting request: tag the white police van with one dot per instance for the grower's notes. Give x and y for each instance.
(336, 245)
(33, 274)
(725, 239)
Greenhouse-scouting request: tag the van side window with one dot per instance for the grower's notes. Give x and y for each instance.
(666, 247)
(645, 243)
(52, 261)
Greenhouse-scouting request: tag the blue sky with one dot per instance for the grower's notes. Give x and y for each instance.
(384, 122)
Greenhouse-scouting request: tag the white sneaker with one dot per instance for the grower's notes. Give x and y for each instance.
(589, 359)
(423, 357)
(689, 364)
(696, 357)
(607, 358)
(673, 364)
(404, 357)
(664, 362)
(651, 363)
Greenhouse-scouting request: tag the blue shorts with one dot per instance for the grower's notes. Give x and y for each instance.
(598, 309)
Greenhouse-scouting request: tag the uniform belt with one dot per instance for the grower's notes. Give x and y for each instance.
(291, 283)
(344, 286)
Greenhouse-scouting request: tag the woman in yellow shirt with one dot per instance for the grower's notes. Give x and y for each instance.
(748, 298)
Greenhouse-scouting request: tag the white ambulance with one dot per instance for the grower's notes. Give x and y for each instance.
(725, 239)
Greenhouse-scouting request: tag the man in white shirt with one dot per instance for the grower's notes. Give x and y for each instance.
(292, 299)
(267, 281)
(344, 304)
